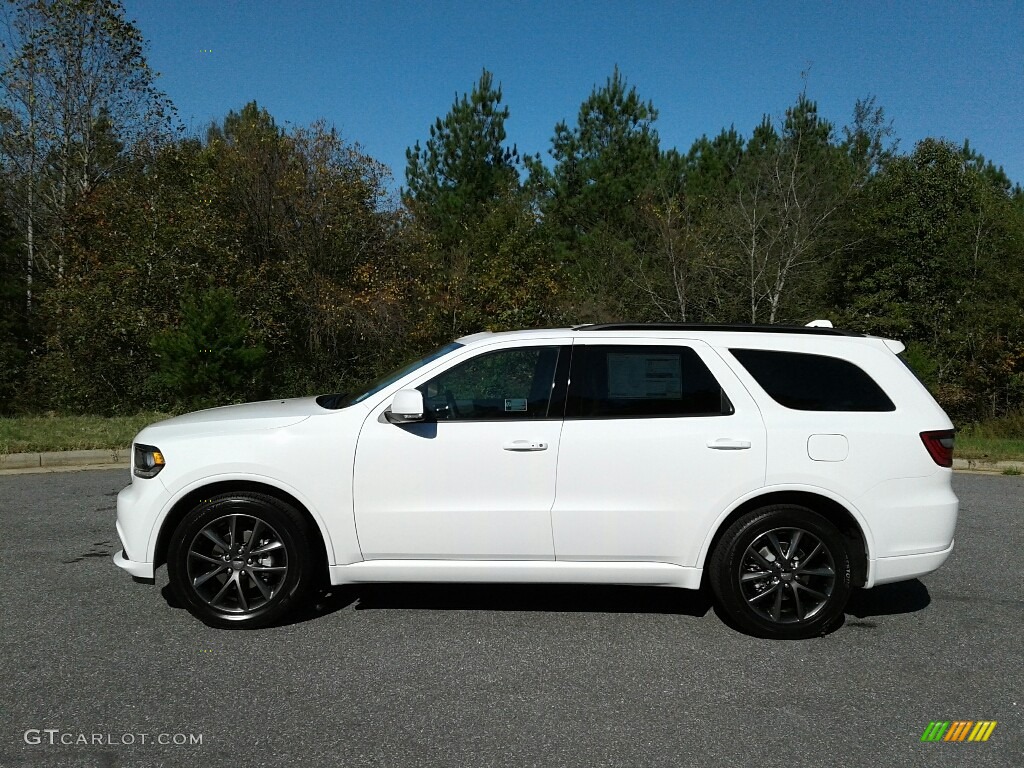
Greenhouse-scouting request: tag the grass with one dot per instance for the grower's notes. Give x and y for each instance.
(993, 440)
(28, 434)
(989, 448)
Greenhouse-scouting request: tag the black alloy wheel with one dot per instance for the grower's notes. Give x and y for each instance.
(240, 560)
(782, 572)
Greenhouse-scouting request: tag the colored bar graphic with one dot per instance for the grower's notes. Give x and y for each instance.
(959, 730)
(935, 731)
(983, 730)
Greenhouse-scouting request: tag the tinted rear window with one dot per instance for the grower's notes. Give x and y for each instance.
(813, 382)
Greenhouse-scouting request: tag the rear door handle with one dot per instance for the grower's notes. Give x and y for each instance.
(525, 445)
(727, 444)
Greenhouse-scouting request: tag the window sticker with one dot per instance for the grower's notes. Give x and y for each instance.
(515, 404)
(638, 376)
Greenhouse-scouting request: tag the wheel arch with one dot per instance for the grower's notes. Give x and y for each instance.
(189, 500)
(836, 512)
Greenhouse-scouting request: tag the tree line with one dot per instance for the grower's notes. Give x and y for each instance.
(141, 268)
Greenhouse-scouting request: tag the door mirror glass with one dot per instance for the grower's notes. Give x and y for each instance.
(406, 407)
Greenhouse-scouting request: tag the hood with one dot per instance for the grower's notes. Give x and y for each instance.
(268, 414)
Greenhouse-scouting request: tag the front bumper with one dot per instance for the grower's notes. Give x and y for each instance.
(139, 506)
(136, 569)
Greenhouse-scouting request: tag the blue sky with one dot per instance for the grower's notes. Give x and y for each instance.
(381, 72)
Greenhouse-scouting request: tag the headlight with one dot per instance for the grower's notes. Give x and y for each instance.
(148, 461)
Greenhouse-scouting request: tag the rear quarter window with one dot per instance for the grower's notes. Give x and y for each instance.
(806, 382)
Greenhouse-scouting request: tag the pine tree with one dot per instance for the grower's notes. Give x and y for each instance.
(465, 164)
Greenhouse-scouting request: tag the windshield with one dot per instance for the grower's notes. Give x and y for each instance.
(344, 401)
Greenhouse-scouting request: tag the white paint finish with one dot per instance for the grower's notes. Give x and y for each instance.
(648, 488)
(523, 571)
(136, 569)
(886, 570)
(911, 515)
(452, 490)
(310, 460)
(828, 447)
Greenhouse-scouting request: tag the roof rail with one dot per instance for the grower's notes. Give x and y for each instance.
(729, 327)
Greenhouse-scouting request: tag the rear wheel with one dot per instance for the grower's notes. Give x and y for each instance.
(240, 560)
(782, 572)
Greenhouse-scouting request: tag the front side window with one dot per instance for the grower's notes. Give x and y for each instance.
(806, 382)
(620, 381)
(508, 384)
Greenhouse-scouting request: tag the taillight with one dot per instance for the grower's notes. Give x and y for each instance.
(940, 445)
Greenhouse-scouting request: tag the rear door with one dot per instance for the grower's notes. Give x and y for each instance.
(659, 438)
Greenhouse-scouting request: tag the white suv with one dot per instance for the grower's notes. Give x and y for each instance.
(783, 466)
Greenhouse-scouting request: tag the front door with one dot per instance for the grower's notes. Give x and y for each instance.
(476, 480)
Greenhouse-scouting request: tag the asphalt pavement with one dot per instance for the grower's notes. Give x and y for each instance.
(96, 670)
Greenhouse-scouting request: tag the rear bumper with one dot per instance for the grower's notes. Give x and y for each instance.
(888, 569)
(136, 569)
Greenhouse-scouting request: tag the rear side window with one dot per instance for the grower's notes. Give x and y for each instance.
(806, 382)
(621, 381)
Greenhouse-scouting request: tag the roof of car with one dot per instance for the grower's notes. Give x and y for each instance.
(729, 327)
(688, 328)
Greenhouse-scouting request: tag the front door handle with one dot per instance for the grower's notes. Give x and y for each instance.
(525, 445)
(727, 444)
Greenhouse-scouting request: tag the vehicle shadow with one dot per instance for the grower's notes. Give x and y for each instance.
(321, 601)
(889, 599)
(554, 598)
(885, 600)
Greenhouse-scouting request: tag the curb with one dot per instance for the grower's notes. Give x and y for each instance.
(65, 459)
(981, 465)
(122, 457)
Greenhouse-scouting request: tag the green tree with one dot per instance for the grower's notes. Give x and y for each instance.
(593, 197)
(938, 261)
(501, 276)
(677, 265)
(13, 322)
(464, 165)
(208, 359)
(791, 187)
(481, 257)
(603, 163)
(291, 222)
(256, 160)
(76, 88)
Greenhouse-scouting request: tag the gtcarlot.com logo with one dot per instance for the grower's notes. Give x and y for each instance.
(958, 730)
(55, 736)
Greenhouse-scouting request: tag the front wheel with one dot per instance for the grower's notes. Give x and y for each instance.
(240, 560)
(782, 572)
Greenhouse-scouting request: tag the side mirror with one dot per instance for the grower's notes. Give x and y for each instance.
(406, 407)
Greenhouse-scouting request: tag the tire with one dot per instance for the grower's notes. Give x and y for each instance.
(240, 560)
(781, 572)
